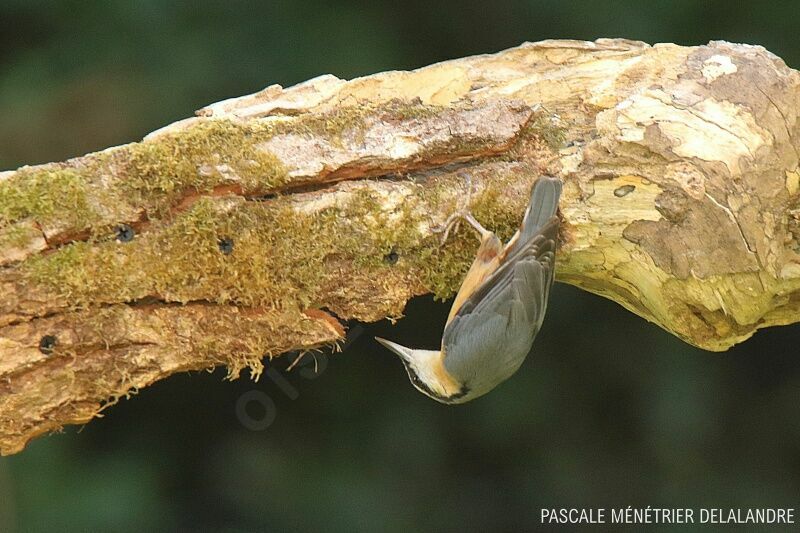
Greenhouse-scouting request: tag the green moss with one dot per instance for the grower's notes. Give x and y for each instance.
(542, 126)
(352, 121)
(443, 268)
(257, 334)
(271, 265)
(46, 195)
(155, 175)
(411, 110)
(368, 239)
(333, 125)
(280, 258)
(439, 268)
(212, 153)
(498, 212)
(17, 235)
(453, 147)
(205, 155)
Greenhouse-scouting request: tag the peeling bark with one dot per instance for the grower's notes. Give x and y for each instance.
(253, 229)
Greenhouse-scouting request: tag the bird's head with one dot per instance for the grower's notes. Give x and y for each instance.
(428, 374)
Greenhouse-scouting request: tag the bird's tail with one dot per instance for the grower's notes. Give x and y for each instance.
(543, 205)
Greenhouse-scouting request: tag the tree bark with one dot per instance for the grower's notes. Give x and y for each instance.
(262, 224)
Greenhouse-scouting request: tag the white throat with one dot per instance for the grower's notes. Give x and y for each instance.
(426, 372)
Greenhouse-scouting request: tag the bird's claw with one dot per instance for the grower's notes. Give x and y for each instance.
(452, 221)
(463, 213)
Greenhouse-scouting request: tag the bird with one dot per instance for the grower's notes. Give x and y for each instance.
(498, 309)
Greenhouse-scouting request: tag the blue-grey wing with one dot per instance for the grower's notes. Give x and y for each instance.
(542, 207)
(493, 330)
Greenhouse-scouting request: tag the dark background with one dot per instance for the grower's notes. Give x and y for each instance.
(609, 411)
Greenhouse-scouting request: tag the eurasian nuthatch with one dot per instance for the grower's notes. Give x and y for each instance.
(498, 309)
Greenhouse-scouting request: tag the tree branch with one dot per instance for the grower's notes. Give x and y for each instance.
(252, 229)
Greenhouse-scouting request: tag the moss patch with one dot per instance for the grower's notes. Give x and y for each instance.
(279, 258)
(334, 125)
(211, 153)
(18, 235)
(351, 122)
(156, 174)
(107, 188)
(501, 206)
(542, 126)
(47, 195)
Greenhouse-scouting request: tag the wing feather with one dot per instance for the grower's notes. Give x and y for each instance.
(504, 313)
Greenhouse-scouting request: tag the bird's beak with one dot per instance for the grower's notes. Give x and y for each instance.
(402, 351)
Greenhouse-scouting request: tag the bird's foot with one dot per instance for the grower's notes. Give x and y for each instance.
(463, 213)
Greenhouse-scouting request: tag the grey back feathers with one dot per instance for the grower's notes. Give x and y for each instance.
(493, 331)
(542, 207)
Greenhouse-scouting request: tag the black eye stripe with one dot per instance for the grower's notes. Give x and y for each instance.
(415, 379)
(421, 385)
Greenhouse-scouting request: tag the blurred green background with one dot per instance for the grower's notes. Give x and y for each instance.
(609, 411)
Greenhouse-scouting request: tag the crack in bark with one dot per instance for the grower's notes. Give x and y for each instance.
(793, 144)
(692, 111)
(738, 225)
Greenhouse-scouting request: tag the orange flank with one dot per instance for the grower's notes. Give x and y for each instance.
(487, 260)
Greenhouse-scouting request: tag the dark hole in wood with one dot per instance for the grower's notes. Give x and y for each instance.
(47, 344)
(225, 245)
(125, 233)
